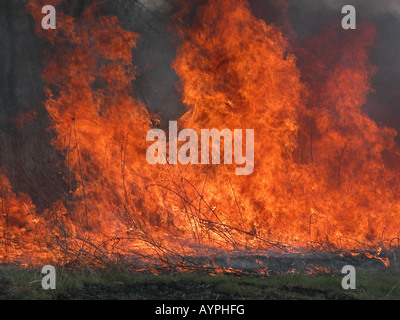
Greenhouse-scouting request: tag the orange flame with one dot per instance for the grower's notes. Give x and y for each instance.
(321, 177)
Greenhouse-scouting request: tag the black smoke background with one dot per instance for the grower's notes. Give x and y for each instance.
(34, 167)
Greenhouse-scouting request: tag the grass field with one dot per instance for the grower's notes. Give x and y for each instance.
(16, 283)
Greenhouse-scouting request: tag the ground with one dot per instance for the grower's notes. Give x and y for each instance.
(18, 283)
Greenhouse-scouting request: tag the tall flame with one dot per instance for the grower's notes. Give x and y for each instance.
(320, 175)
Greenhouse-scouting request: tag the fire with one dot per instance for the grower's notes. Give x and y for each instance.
(322, 175)
(20, 228)
(324, 172)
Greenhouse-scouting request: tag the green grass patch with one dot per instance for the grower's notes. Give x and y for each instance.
(17, 283)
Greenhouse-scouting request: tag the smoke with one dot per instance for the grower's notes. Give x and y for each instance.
(155, 85)
(309, 17)
(369, 8)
